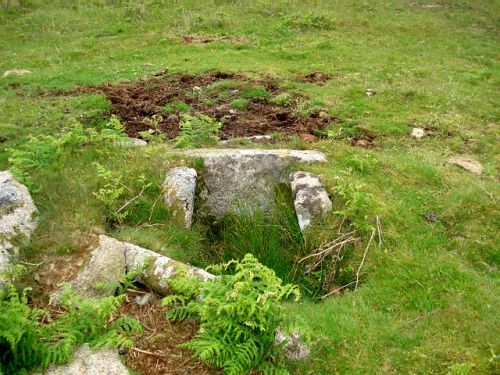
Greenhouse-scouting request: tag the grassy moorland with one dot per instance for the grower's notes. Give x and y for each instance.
(428, 299)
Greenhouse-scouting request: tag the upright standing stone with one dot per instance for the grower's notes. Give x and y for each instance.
(18, 216)
(180, 187)
(310, 199)
(241, 179)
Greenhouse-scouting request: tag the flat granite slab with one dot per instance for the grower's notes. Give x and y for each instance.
(236, 180)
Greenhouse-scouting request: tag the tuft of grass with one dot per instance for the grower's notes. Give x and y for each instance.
(177, 106)
(239, 103)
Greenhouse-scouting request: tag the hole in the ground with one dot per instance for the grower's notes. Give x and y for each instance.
(245, 106)
(275, 239)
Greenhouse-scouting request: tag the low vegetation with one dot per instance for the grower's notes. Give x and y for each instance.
(414, 287)
(33, 338)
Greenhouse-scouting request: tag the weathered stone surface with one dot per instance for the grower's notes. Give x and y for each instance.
(179, 187)
(238, 179)
(467, 163)
(112, 259)
(417, 133)
(293, 347)
(16, 72)
(103, 272)
(310, 199)
(88, 362)
(130, 142)
(156, 269)
(17, 216)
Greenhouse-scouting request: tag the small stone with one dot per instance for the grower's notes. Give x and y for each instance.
(467, 163)
(362, 143)
(16, 72)
(293, 347)
(179, 187)
(323, 114)
(310, 199)
(196, 88)
(431, 217)
(88, 362)
(145, 299)
(130, 142)
(417, 133)
(370, 92)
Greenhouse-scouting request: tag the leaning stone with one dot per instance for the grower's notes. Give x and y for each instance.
(18, 216)
(235, 180)
(417, 133)
(156, 270)
(16, 72)
(179, 187)
(130, 142)
(104, 271)
(88, 362)
(466, 163)
(310, 199)
(293, 347)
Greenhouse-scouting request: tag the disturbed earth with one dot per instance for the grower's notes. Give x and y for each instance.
(143, 105)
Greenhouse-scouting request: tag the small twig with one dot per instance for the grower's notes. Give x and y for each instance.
(379, 230)
(153, 207)
(31, 264)
(363, 260)
(337, 290)
(149, 353)
(130, 201)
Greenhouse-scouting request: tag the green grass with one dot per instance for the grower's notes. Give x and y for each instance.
(428, 297)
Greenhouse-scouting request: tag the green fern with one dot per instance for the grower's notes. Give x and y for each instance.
(27, 344)
(239, 314)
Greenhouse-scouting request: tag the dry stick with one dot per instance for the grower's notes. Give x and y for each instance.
(328, 246)
(363, 260)
(337, 290)
(154, 204)
(379, 230)
(130, 201)
(31, 264)
(149, 353)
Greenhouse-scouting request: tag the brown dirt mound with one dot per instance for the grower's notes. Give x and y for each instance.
(136, 103)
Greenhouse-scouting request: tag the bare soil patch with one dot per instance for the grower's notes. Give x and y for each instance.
(212, 94)
(156, 351)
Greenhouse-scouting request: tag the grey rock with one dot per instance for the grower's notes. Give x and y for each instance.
(18, 216)
(130, 142)
(467, 163)
(16, 72)
(293, 346)
(417, 133)
(88, 362)
(310, 199)
(145, 299)
(112, 259)
(236, 180)
(156, 270)
(104, 271)
(179, 188)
